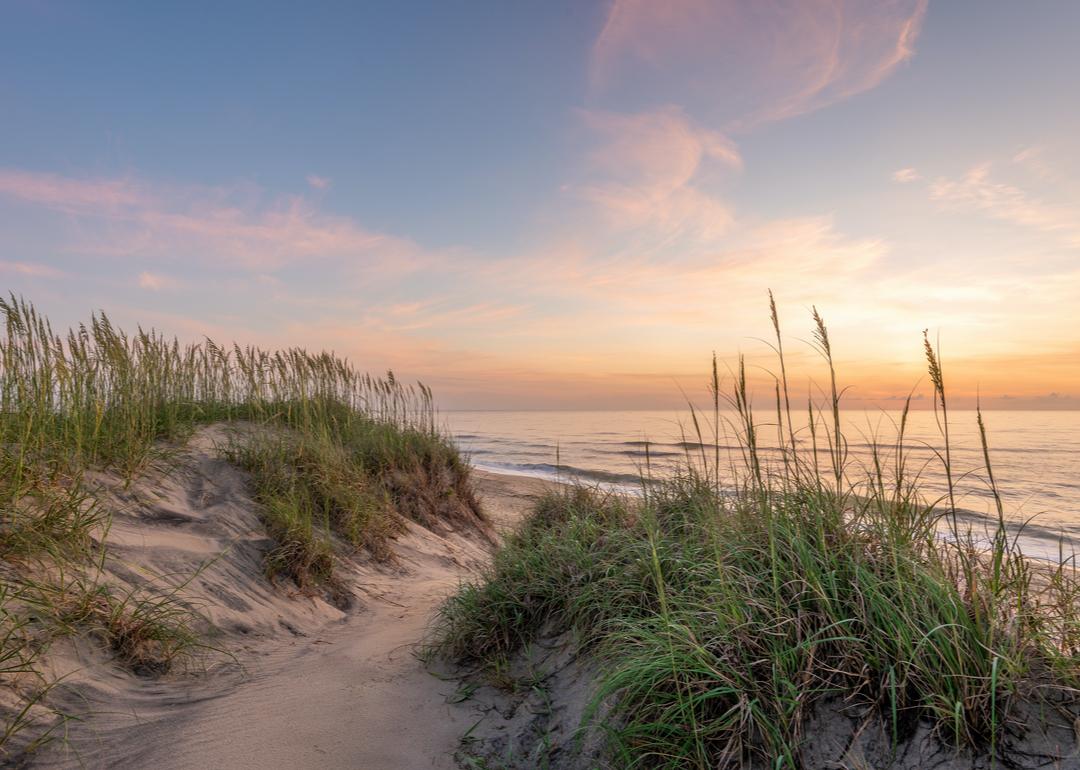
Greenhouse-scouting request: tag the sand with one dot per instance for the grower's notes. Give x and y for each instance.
(312, 684)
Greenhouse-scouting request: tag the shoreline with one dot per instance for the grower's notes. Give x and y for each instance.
(1035, 540)
(1036, 459)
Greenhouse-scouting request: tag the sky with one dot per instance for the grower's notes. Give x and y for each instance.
(561, 204)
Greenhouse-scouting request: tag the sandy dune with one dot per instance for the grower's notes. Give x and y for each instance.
(313, 685)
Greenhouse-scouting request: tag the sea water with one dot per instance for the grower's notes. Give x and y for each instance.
(1035, 455)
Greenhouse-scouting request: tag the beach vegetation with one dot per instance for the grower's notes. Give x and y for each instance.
(736, 603)
(339, 460)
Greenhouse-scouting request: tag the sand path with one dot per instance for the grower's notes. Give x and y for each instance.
(349, 693)
(356, 698)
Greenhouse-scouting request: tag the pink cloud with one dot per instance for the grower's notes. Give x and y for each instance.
(318, 182)
(725, 63)
(906, 175)
(120, 217)
(67, 194)
(643, 167)
(31, 269)
(157, 282)
(750, 62)
(289, 231)
(723, 278)
(662, 148)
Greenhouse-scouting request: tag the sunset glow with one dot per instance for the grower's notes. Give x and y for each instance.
(566, 205)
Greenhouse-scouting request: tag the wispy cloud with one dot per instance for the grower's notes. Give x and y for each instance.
(30, 270)
(157, 281)
(669, 242)
(976, 190)
(641, 171)
(906, 175)
(318, 182)
(67, 194)
(748, 63)
(1034, 159)
(125, 217)
(662, 147)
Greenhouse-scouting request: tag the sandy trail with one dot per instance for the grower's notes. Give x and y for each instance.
(356, 697)
(320, 687)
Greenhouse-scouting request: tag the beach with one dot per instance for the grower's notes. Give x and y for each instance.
(262, 558)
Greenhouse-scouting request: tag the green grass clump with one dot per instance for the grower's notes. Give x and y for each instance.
(17, 652)
(725, 606)
(309, 488)
(354, 477)
(547, 573)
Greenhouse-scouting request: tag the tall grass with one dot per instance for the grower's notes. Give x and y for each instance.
(336, 455)
(729, 605)
(98, 395)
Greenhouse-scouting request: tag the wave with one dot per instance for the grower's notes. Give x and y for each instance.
(554, 472)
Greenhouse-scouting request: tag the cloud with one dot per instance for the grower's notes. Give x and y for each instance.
(746, 63)
(642, 169)
(906, 175)
(67, 194)
(1034, 160)
(667, 237)
(724, 278)
(440, 315)
(977, 191)
(318, 182)
(157, 282)
(235, 226)
(663, 148)
(30, 270)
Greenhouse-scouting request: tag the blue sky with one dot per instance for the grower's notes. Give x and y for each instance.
(423, 114)
(558, 203)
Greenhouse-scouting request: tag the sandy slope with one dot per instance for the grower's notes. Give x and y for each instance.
(352, 696)
(314, 685)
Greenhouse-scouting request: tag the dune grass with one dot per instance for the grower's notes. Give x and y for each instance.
(730, 602)
(336, 456)
(352, 477)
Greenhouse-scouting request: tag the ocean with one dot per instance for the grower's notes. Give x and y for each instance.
(1035, 455)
